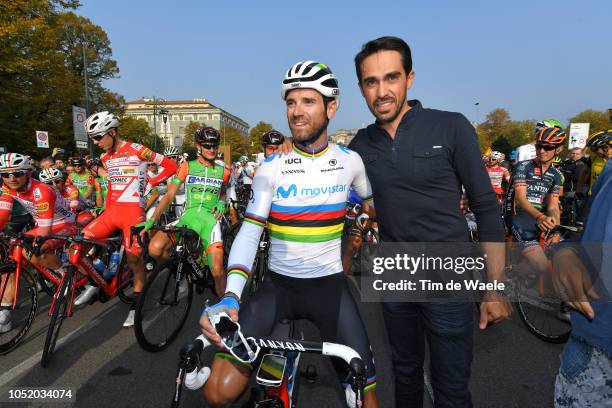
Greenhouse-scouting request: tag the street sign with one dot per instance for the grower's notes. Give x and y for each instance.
(81, 144)
(42, 139)
(578, 135)
(79, 116)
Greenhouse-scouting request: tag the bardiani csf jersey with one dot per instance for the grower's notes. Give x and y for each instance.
(302, 198)
(127, 173)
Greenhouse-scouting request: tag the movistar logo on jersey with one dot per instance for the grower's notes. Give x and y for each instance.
(204, 181)
(292, 190)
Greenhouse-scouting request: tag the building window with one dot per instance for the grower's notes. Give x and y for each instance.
(202, 117)
(215, 117)
(187, 117)
(176, 117)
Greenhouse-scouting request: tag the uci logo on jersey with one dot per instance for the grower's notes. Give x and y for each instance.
(295, 160)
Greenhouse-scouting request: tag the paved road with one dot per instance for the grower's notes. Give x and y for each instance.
(102, 362)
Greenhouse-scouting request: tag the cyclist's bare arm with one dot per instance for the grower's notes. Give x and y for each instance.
(166, 200)
(152, 199)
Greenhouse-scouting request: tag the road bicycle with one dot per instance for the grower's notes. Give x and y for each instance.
(62, 304)
(539, 307)
(163, 306)
(278, 370)
(15, 271)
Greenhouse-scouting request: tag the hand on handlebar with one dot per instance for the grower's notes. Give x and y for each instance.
(361, 220)
(147, 225)
(228, 305)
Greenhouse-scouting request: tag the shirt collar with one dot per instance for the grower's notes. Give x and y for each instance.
(415, 109)
(307, 151)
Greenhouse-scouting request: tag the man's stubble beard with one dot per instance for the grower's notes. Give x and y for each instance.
(312, 137)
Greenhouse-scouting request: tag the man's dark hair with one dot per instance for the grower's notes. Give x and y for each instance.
(384, 44)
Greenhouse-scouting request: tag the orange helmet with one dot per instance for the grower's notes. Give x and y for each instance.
(550, 135)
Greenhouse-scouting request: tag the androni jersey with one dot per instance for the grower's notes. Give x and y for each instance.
(83, 182)
(202, 183)
(43, 202)
(127, 173)
(539, 186)
(497, 174)
(302, 198)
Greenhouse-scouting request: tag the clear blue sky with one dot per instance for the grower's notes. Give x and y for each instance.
(536, 59)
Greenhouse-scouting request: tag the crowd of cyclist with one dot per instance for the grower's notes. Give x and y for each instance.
(130, 184)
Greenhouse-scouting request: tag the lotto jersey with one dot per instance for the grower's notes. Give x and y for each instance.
(83, 182)
(539, 186)
(127, 173)
(44, 203)
(302, 198)
(202, 184)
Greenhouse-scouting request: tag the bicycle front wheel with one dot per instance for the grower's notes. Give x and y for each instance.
(59, 313)
(542, 312)
(22, 316)
(163, 306)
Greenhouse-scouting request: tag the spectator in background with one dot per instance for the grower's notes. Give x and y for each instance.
(573, 169)
(60, 165)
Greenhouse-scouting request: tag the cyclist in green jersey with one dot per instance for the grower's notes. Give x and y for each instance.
(97, 170)
(203, 181)
(81, 179)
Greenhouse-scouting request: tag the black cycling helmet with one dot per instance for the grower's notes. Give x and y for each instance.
(76, 161)
(272, 137)
(207, 135)
(94, 162)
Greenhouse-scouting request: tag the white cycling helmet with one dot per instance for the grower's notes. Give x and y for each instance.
(100, 123)
(49, 175)
(243, 159)
(171, 151)
(311, 75)
(14, 161)
(495, 155)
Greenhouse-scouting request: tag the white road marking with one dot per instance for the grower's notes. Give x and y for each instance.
(26, 365)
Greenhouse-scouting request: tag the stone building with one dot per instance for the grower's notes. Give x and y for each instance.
(179, 114)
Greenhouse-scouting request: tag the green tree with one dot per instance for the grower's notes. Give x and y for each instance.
(139, 131)
(188, 138)
(495, 124)
(254, 141)
(41, 71)
(501, 144)
(599, 120)
(239, 144)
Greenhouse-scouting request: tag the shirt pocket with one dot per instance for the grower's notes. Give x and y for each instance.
(426, 164)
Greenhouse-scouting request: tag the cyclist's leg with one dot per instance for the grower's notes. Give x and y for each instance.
(214, 254)
(353, 244)
(48, 258)
(336, 315)
(229, 377)
(125, 219)
(531, 249)
(160, 247)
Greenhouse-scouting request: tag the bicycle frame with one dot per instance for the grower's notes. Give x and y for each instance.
(16, 254)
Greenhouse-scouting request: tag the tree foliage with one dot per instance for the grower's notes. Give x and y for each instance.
(139, 131)
(599, 120)
(41, 72)
(502, 133)
(189, 137)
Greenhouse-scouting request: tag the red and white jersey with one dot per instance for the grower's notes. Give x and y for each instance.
(497, 174)
(127, 173)
(71, 194)
(43, 202)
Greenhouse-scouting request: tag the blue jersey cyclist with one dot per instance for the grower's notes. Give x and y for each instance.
(302, 198)
(532, 204)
